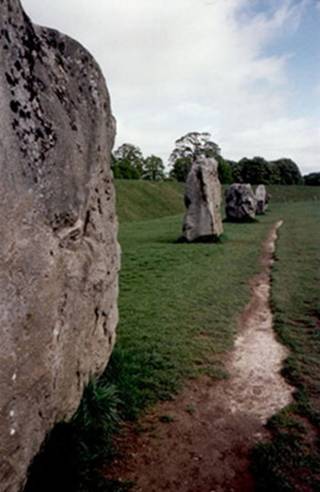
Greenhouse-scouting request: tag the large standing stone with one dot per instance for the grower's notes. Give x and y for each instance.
(240, 202)
(59, 257)
(203, 201)
(262, 198)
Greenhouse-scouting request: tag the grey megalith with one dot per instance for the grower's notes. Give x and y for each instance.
(262, 197)
(240, 202)
(202, 220)
(59, 256)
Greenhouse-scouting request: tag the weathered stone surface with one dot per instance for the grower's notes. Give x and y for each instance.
(59, 256)
(262, 198)
(203, 201)
(240, 202)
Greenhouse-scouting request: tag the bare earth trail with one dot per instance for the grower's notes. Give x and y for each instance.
(215, 425)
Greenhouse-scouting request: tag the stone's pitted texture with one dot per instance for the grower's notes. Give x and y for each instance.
(59, 256)
(262, 198)
(203, 201)
(240, 202)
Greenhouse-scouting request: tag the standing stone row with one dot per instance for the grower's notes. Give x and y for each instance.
(242, 204)
(202, 221)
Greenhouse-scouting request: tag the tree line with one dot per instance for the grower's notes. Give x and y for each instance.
(128, 162)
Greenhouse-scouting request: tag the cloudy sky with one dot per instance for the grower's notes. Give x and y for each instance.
(247, 71)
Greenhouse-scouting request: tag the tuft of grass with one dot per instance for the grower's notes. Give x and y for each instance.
(291, 461)
(96, 421)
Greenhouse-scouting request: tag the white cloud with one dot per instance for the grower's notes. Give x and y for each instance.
(182, 65)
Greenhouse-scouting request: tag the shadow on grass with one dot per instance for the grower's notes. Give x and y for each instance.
(73, 452)
(202, 240)
(247, 220)
(210, 239)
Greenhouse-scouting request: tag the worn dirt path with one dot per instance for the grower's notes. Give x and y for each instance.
(215, 425)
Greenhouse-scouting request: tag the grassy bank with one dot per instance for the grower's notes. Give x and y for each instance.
(143, 200)
(291, 462)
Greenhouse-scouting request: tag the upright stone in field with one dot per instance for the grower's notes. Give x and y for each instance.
(262, 198)
(240, 202)
(203, 201)
(59, 256)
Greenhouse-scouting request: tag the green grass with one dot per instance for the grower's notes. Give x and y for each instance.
(178, 306)
(290, 194)
(291, 462)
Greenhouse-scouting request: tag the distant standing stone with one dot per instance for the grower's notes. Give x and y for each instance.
(240, 202)
(262, 198)
(203, 201)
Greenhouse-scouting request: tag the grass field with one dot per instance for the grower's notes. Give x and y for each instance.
(178, 305)
(178, 308)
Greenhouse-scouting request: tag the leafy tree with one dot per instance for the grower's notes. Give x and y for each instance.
(312, 179)
(259, 170)
(275, 173)
(127, 162)
(236, 169)
(187, 149)
(224, 170)
(255, 171)
(153, 168)
(193, 144)
(288, 171)
(181, 168)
